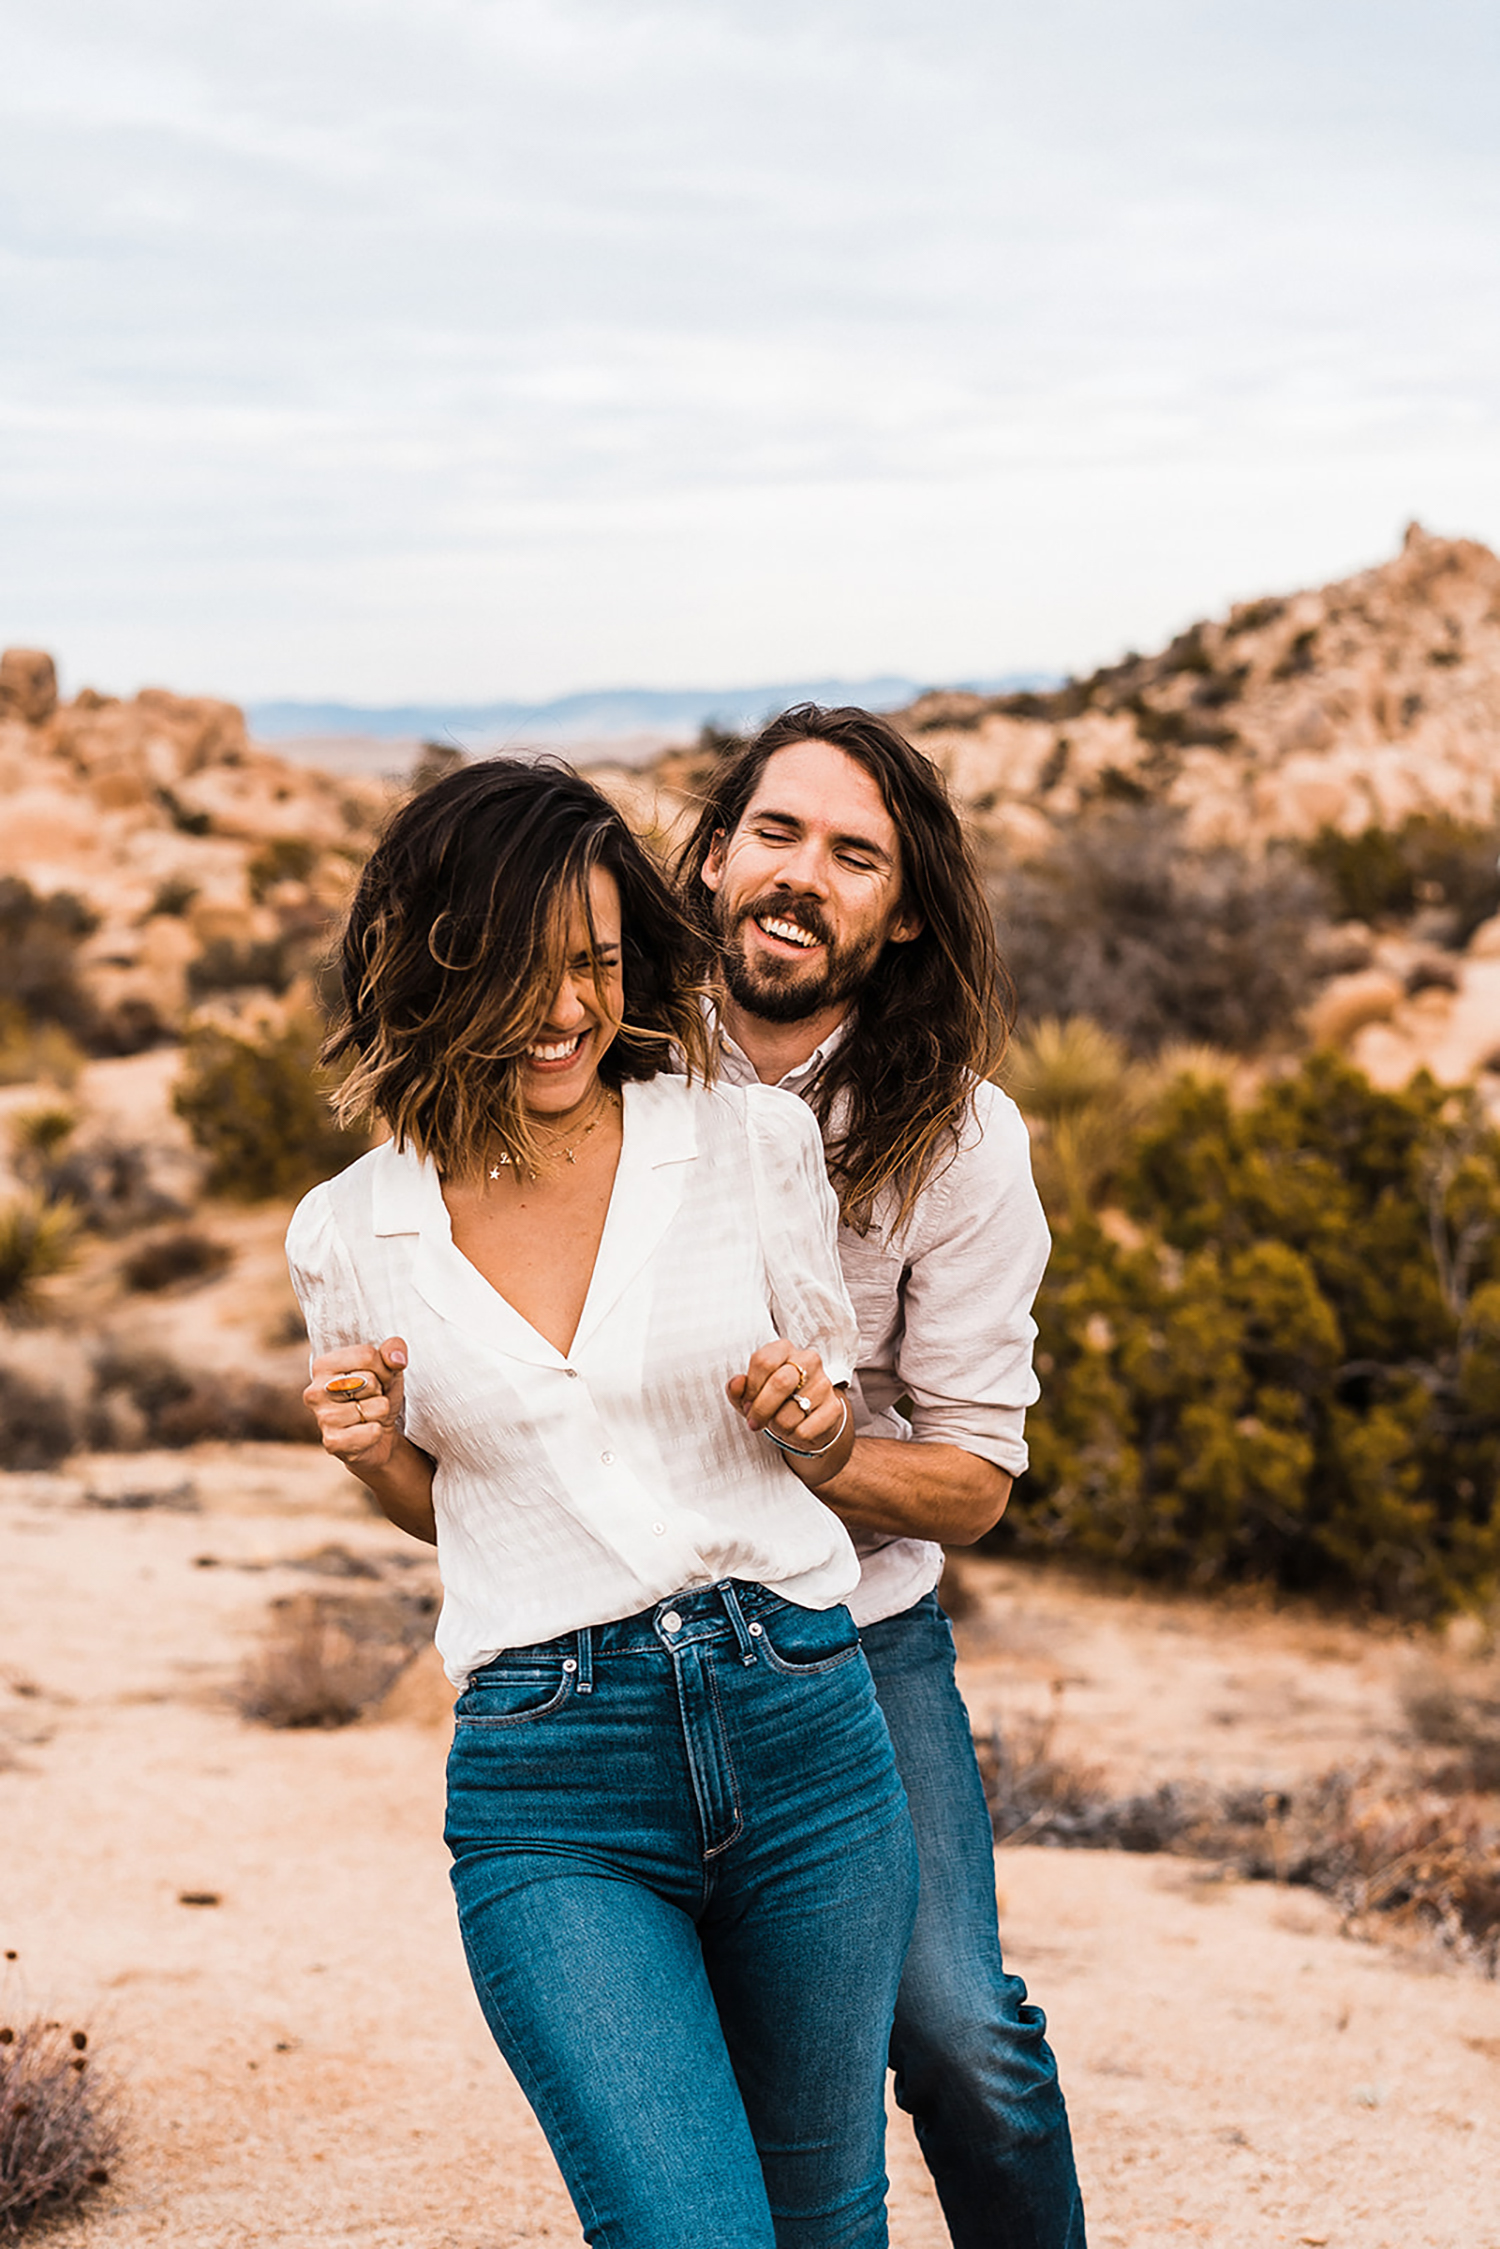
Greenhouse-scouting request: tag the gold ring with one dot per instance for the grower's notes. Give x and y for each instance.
(797, 1371)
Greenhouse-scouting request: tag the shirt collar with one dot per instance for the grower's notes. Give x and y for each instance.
(738, 1069)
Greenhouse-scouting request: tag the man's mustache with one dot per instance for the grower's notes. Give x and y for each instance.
(804, 912)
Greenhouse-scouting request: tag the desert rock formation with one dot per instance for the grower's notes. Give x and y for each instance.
(1352, 706)
(162, 817)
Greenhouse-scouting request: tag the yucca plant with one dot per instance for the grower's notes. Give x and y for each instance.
(37, 1237)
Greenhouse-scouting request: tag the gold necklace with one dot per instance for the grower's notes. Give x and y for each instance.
(569, 1155)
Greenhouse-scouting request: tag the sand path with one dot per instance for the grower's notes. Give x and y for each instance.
(305, 2062)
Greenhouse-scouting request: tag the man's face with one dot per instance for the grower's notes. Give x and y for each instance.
(808, 887)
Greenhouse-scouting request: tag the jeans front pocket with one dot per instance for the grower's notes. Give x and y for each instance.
(514, 1694)
(803, 1641)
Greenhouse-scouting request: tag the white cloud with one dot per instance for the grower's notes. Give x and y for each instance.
(503, 346)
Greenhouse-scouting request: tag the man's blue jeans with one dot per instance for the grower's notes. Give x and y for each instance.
(973, 2067)
(685, 1880)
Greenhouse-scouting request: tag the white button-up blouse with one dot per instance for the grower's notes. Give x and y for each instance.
(571, 1490)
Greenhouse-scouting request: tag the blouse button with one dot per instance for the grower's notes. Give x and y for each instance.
(608, 1459)
(660, 1529)
(571, 1373)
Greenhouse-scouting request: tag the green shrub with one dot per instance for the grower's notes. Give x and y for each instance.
(39, 941)
(1295, 1378)
(280, 859)
(224, 966)
(257, 1106)
(1431, 860)
(35, 1053)
(36, 1239)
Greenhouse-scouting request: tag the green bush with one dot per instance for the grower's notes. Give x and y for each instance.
(1431, 860)
(37, 1238)
(257, 1106)
(1293, 1377)
(39, 941)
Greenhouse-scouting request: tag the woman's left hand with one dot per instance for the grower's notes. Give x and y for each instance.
(785, 1390)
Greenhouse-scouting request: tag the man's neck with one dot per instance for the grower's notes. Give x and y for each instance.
(775, 1049)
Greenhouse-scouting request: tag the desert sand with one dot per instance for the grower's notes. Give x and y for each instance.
(303, 2060)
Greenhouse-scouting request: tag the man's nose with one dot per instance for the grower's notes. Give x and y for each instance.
(805, 868)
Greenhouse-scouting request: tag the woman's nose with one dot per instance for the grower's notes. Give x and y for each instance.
(568, 1007)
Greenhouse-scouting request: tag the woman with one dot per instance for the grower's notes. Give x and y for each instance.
(616, 1343)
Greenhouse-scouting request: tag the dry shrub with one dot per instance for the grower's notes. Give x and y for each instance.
(315, 1666)
(171, 1258)
(168, 1404)
(59, 2125)
(1442, 1716)
(39, 1425)
(1390, 1854)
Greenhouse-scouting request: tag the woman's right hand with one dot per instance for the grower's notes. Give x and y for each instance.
(361, 1426)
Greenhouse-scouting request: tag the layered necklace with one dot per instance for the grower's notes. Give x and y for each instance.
(603, 1099)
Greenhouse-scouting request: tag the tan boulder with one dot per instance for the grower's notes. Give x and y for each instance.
(1347, 1003)
(28, 685)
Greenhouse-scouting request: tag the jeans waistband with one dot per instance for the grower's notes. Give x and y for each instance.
(732, 1610)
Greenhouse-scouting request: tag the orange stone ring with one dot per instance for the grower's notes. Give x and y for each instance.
(348, 1388)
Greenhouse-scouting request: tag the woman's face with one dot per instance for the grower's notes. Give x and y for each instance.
(561, 1066)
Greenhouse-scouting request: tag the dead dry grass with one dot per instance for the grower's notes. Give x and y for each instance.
(60, 2126)
(1397, 1850)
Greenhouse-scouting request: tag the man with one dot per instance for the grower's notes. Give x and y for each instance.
(859, 970)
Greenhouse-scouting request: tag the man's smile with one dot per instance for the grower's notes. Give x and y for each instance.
(785, 932)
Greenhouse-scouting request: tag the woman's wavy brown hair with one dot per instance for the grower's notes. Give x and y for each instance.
(457, 940)
(934, 1014)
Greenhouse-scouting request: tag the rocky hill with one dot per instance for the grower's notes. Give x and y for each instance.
(1352, 706)
(207, 866)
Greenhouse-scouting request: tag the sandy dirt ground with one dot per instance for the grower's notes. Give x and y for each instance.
(305, 2064)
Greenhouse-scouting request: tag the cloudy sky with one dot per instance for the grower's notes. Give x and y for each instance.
(390, 349)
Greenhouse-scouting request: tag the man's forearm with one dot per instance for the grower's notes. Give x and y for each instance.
(918, 1491)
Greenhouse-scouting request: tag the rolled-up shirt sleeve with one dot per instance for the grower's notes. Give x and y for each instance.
(798, 1217)
(962, 1350)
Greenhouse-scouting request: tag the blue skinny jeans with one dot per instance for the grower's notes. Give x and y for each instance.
(973, 2067)
(685, 1880)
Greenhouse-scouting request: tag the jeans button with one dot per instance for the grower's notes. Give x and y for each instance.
(671, 1622)
(756, 1630)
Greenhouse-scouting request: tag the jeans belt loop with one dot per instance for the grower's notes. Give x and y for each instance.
(736, 1616)
(584, 1684)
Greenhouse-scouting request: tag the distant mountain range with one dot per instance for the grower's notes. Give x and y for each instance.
(671, 713)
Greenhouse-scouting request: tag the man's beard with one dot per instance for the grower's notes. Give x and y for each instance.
(787, 991)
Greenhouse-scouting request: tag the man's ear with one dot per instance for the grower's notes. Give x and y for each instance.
(907, 925)
(712, 870)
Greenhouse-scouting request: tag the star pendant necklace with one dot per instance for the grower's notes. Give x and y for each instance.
(569, 1155)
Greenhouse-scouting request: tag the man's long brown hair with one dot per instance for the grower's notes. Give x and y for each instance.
(934, 1013)
(455, 946)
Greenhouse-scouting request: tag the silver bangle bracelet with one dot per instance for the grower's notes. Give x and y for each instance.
(816, 1452)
